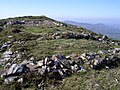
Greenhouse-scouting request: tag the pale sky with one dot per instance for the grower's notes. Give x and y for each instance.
(62, 9)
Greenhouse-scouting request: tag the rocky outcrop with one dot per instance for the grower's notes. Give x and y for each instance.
(65, 35)
(59, 66)
(10, 57)
(102, 59)
(36, 22)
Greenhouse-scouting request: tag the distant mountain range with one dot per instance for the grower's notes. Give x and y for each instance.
(99, 28)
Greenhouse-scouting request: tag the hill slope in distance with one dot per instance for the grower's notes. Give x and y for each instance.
(99, 28)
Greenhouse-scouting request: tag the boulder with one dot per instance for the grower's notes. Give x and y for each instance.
(102, 52)
(32, 59)
(75, 68)
(82, 69)
(16, 70)
(40, 63)
(83, 56)
(25, 62)
(10, 36)
(42, 71)
(32, 66)
(7, 66)
(20, 69)
(60, 59)
(7, 54)
(68, 57)
(20, 80)
(10, 79)
(10, 70)
(6, 45)
(50, 63)
(104, 37)
(116, 50)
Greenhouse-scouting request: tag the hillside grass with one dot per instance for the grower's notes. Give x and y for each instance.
(106, 79)
(92, 80)
(42, 48)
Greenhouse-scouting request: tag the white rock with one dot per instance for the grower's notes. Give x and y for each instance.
(10, 70)
(9, 79)
(40, 63)
(83, 56)
(96, 62)
(7, 65)
(32, 59)
(116, 50)
(60, 72)
(10, 36)
(45, 61)
(82, 69)
(20, 80)
(75, 67)
(7, 53)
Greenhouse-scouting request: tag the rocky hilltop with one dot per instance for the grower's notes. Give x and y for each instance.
(37, 52)
(30, 21)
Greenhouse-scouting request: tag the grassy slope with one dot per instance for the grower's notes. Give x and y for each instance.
(49, 47)
(90, 80)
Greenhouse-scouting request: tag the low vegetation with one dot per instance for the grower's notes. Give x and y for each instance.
(106, 79)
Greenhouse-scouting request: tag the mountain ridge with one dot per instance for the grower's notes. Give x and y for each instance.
(99, 28)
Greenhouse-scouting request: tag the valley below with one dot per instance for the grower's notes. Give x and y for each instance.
(111, 30)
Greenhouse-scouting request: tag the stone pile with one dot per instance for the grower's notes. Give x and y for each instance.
(6, 45)
(59, 66)
(62, 35)
(65, 35)
(10, 57)
(32, 23)
(103, 59)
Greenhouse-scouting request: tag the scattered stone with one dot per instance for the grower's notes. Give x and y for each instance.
(7, 66)
(6, 56)
(40, 63)
(10, 79)
(10, 36)
(75, 68)
(104, 37)
(5, 45)
(60, 66)
(20, 80)
(42, 71)
(116, 50)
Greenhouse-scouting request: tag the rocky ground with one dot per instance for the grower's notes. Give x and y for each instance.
(41, 53)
